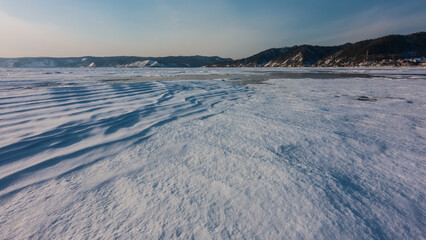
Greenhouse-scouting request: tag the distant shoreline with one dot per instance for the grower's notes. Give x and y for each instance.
(388, 51)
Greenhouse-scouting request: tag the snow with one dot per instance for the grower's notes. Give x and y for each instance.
(141, 64)
(213, 158)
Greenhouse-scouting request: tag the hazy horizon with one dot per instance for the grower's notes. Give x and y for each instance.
(169, 28)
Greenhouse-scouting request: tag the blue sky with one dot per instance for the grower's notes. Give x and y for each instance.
(188, 27)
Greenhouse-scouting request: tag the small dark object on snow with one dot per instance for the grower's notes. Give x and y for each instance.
(365, 98)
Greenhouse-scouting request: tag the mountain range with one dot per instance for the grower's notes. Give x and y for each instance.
(392, 50)
(124, 61)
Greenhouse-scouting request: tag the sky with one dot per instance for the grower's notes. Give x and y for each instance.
(226, 28)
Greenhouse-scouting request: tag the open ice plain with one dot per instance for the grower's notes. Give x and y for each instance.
(212, 153)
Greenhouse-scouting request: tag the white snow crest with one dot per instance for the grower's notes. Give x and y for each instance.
(142, 64)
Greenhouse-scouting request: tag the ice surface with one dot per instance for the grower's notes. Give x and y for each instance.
(296, 156)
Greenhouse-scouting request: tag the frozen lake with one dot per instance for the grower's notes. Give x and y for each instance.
(213, 153)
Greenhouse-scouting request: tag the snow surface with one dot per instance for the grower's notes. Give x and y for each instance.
(212, 159)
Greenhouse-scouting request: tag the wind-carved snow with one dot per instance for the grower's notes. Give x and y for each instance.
(288, 158)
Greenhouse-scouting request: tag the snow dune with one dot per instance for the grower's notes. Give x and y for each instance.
(296, 157)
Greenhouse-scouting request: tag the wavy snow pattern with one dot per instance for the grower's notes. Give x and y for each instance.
(286, 159)
(82, 119)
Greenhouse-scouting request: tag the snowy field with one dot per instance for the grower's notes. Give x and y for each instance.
(212, 153)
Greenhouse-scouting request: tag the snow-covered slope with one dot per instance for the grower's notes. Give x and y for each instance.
(309, 158)
(392, 50)
(146, 63)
